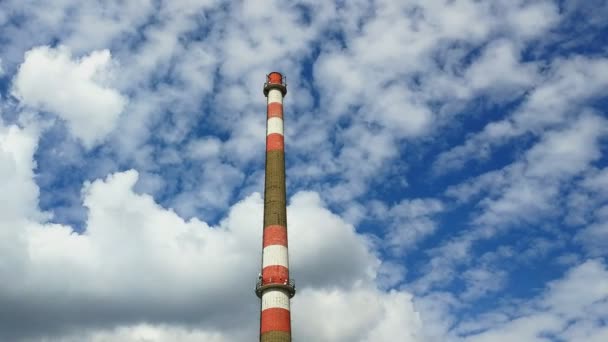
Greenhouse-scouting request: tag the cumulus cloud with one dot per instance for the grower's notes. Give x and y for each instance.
(147, 333)
(358, 315)
(138, 262)
(17, 146)
(372, 316)
(76, 90)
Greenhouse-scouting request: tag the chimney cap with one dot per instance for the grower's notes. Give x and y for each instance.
(275, 80)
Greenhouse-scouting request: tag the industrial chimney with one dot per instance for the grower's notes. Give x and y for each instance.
(274, 286)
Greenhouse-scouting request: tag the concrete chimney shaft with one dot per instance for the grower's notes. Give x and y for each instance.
(274, 287)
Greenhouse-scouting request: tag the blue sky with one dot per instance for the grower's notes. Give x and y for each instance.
(446, 168)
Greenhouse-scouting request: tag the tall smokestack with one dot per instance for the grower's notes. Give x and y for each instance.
(274, 286)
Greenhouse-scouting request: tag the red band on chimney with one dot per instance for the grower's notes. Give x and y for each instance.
(275, 142)
(275, 275)
(275, 319)
(275, 109)
(275, 235)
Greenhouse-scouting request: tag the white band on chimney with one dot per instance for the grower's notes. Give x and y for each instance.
(274, 95)
(275, 255)
(275, 125)
(275, 298)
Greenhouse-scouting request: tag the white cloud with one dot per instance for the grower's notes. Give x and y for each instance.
(145, 333)
(20, 193)
(357, 315)
(411, 221)
(554, 102)
(596, 182)
(168, 68)
(138, 262)
(371, 316)
(499, 70)
(481, 281)
(217, 181)
(526, 328)
(50, 80)
(363, 154)
(581, 290)
(566, 152)
(520, 195)
(119, 20)
(586, 331)
(593, 238)
(533, 19)
(440, 269)
(570, 308)
(525, 191)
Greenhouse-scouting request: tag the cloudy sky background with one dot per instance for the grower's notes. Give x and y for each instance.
(446, 164)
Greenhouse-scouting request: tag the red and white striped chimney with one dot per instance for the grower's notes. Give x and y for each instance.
(274, 286)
